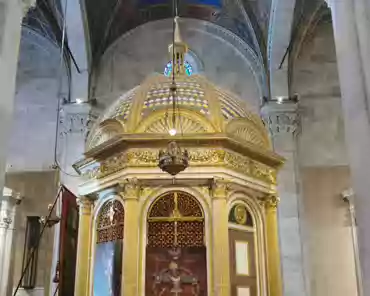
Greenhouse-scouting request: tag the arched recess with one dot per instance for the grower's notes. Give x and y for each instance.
(108, 248)
(176, 254)
(246, 250)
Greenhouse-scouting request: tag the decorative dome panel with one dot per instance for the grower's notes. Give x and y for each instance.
(120, 109)
(190, 95)
(201, 108)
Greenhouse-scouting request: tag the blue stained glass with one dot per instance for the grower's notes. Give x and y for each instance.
(168, 69)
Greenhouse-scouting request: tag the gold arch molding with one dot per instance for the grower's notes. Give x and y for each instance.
(105, 131)
(250, 131)
(187, 122)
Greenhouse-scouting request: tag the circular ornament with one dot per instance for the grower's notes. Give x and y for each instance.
(240, 214)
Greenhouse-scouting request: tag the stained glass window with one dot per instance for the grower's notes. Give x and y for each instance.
(168, 69)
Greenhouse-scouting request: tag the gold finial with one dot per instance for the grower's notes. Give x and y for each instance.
(178, 49)
(177, 31)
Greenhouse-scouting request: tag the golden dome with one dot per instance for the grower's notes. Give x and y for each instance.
(202, 108)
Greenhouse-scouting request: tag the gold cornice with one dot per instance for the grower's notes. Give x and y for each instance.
(126, 141)
(198, 157)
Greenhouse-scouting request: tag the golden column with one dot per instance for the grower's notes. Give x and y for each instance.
(82, 285)
(221, 258)
(273, 250)
(130, 276)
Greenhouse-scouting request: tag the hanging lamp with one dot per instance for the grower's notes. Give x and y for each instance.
(174, 160)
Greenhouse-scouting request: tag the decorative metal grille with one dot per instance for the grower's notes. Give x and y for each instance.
(175, 219)
(110, 222)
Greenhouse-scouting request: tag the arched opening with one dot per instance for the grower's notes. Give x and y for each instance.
(176, 257)
(109, 249)
(242, 243)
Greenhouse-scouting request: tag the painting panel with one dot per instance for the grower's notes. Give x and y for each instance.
(176, 271)
(108, 269)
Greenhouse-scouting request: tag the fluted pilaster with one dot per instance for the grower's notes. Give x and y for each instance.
(83, 265)
(221, 255)
(130, 276)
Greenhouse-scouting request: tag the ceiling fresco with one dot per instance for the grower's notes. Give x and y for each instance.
(109, 19)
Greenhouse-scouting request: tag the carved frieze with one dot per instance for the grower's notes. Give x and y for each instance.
(197, 157)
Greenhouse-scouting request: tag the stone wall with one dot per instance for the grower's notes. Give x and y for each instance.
(329, 234)
(323, 169)
(32, 138)
(39, 190)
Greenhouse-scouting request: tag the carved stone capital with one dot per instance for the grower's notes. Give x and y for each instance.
(85, 205)
(281, 118)
(5, 221)
(220, 188)
(26, 5)
(77, 119)
(131, 188)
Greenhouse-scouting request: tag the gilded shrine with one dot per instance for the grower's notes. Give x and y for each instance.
(209, 230)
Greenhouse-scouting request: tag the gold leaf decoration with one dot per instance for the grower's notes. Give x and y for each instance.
(183, 124)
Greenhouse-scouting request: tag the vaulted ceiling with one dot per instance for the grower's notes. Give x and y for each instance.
(109, 19)
(273, 29)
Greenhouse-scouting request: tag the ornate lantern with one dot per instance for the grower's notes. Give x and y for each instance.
(173, 160)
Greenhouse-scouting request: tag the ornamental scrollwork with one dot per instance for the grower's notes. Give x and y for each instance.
(142, 157)
(197, 157)
(204, 156)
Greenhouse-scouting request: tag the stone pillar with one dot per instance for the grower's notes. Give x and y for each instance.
(130, 275)
(83, 262)
(76, 121)
(351, 33)
(273, 251)
(8, 209)
(221, 257)
(282, 120)
(11, 15)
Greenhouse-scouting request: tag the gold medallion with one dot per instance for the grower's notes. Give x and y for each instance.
(240, 214)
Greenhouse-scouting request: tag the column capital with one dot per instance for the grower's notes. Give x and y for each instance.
(270, 202)
(26, 5)
(131, 188)
(85, 205)
(77, 119)
(13, 197)
(220, 188)
(281, 118)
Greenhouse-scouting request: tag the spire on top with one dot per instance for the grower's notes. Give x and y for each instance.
(180, 48)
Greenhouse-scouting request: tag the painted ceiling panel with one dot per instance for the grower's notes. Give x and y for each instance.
(216, 3)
